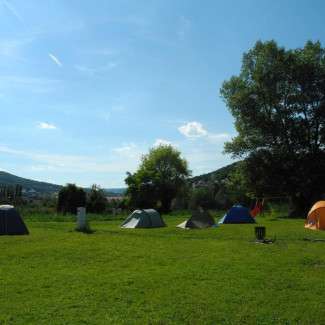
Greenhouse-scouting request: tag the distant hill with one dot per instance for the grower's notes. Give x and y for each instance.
(28, 184)
(43, 188)
(215, 176)
(115, 191)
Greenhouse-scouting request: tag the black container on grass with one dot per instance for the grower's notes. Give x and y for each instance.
(260, 233)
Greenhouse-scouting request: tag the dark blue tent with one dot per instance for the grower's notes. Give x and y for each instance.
(11, 222)
(237, 214)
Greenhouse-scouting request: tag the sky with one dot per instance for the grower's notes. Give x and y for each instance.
(88, 87)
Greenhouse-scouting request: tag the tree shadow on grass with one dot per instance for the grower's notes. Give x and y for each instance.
(84, 231)
(284, 217)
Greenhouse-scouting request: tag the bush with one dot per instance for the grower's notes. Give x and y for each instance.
(202, 197)
(96, 200)
(70, 198)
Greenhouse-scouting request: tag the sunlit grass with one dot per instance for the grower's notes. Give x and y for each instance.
(165, 276)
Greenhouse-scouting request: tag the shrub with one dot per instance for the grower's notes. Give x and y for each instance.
(70, 198)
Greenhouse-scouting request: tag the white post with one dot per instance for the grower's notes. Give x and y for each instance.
(81, 218)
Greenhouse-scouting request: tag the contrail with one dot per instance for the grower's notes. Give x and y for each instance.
(55, 60)
(12, 10)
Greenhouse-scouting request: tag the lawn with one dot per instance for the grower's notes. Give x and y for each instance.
(162, 276)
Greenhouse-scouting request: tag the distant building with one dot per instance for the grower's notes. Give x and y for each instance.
(114, 198)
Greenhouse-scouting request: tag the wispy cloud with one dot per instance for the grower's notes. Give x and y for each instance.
(115, 109)
(9, 6)
(101, 51)
(218, 137)
(95, 70)
(75, 164)
(85, 69)
(55, 60)
(26, 83)
(184, 27)
(46, 126)
(118, 108)
(13, 48)
(128, 150)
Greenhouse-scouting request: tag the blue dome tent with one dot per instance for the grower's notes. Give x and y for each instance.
(237, 214)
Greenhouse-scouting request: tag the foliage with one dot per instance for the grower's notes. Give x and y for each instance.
(182, 199)
(236, 186)
(217, 176)
(278, 102)
(221, 188)
(70, 198)
(203, 197)
(158, 180)
(96, 200)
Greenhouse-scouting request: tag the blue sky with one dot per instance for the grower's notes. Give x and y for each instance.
(87, 87)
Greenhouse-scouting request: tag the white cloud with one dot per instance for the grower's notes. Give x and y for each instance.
(193, 130)
(55, 60)
(45, 125)
(196, 130)
(128, 150)
(163, 142)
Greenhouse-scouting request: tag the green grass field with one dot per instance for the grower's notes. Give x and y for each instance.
(162, 276)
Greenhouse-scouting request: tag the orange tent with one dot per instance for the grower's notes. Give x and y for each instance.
(316, 217)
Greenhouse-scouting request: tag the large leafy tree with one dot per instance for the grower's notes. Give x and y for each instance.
(278, 102)
(161, 175)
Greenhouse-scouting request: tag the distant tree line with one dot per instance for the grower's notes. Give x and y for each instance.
(11, 194)
(70, 197)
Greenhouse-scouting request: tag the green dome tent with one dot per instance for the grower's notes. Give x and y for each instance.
(148, 218)
(11, 222)
(200, 219)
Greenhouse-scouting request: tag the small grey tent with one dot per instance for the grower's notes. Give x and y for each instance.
(11, 222)
(148, 218)
(200, 219)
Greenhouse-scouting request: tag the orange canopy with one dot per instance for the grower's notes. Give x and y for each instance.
(316, 217)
